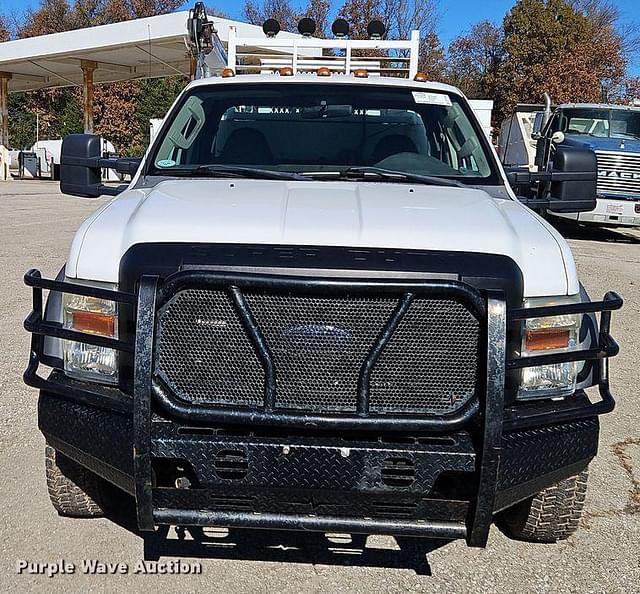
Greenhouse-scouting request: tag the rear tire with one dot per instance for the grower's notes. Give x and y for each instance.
(551, 515)
(74, 491)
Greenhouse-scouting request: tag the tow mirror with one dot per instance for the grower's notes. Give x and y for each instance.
(573, 180)
(76, 177)
(81, 164)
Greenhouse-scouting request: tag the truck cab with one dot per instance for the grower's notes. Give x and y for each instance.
(319, 305)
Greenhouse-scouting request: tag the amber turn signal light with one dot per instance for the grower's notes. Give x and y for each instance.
(228, 72)
(286, 71)
(420, 77)
(360, 73)
(323, 71)
(545, 339)
(94, 323)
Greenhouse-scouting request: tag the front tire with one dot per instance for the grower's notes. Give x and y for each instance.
(551, 515)
(74, 491)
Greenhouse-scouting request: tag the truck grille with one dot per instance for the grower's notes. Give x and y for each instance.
(618, 174)
(318, 345)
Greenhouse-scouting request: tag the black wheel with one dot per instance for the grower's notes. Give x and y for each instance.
(551, 515)
(74, 491)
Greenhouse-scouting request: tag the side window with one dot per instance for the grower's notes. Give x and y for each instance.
(183, 132)
(466, 153)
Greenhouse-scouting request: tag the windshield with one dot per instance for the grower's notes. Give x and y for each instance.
(601, 123)
(319, 130)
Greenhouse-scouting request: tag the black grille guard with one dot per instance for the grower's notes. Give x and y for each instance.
(487, 306)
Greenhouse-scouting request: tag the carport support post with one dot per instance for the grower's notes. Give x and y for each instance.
(88, 68)
(4, 108)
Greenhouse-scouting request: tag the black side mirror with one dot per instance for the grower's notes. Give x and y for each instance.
(79, 170)
(574, 180)
(81, 163)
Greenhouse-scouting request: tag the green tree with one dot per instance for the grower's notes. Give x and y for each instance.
(22, 122)
(555, 46)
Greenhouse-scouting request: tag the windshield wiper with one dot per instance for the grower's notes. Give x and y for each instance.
(398, 176)
(236, 171)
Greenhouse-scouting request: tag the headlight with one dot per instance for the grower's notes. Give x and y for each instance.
(92, 316)
(555, 334)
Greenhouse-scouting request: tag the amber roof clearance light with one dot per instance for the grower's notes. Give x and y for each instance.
(420, 77)
(323, 71)
(228, 72)
(361, 73)
(286, 71)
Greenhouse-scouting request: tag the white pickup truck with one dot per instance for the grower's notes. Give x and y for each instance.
(319, 305)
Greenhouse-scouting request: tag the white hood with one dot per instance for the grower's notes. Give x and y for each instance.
(353, 214)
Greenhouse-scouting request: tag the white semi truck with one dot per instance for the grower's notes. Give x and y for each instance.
(319, 305)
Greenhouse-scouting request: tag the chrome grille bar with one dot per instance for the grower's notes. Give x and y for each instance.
(618, 174)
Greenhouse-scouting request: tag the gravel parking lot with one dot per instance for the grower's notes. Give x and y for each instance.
(604, 556)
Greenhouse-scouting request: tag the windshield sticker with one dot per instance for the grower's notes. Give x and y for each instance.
(431, 98)
(166, 163)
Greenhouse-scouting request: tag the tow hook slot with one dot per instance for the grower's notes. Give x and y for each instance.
(231, 464)
(398, 472)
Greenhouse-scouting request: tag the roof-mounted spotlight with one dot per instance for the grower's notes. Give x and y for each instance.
(307, 27)
(271, 27)
(376, 29)
(340, 28)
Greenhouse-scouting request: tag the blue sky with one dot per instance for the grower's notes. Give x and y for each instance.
(456, 16)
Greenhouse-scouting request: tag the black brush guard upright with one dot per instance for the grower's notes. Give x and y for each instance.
(440, 476)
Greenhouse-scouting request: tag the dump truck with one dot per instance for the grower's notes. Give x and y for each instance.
(528, 139)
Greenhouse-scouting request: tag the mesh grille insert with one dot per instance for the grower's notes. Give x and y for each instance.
(203, 353)
(318, 345)
(430, 363)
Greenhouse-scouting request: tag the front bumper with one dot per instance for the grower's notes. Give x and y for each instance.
(609, 210)
(315, 483)
(434, 477)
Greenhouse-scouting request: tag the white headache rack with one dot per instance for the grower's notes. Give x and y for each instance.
(251, 55)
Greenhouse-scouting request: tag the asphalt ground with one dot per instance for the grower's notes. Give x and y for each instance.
(37, 225)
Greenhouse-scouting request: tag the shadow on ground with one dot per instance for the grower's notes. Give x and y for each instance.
(276, 545)
(596, 233)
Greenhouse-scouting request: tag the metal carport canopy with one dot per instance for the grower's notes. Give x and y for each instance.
(142, 48)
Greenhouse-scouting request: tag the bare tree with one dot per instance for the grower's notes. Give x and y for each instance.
(5, 33)
(473, 59)
(281, 10)
(319, 11)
